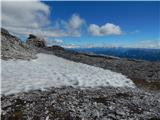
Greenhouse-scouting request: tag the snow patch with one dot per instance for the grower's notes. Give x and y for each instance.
(52, 71)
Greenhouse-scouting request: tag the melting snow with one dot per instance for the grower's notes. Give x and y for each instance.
(52, 71)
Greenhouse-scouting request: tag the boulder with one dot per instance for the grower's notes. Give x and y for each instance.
(36, 41)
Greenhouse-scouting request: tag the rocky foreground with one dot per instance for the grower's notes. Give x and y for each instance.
(68, 103)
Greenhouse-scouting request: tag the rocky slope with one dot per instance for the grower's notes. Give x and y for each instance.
(13, 47)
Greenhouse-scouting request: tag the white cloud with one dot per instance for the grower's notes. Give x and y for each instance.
(107, 29)
(32, 14)
(58, 41)
(75, 21)
(94, 30)
(73, 25)
(54, 42)
(42, 32)
(71, 46)
(25, 17)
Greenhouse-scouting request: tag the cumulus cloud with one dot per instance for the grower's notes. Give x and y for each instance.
(107, 29)
(57, 41)
(42, 32)
(75, 21)
(32, 14)
(54, 42)
(71, 46)
(73, 25)
(25, 17)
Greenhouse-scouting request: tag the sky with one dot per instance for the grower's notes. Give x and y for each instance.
(86, 24)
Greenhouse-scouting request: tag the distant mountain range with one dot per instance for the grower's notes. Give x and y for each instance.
(131, 53)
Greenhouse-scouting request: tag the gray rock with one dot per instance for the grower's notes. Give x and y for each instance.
(36, 41)
(13, 48)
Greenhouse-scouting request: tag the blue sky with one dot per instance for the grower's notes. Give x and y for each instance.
(80, 23)
(140, 21)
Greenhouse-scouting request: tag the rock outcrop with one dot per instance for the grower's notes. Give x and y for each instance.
(36, 41)
(13, 47)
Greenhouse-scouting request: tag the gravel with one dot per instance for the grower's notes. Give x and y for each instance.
(68, 103)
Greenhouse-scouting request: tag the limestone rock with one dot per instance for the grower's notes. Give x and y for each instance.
(36, 41)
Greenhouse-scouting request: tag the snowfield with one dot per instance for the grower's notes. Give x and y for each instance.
(52, 71)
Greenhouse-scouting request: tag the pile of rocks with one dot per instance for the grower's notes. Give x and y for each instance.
(69, 103)
(13, 47)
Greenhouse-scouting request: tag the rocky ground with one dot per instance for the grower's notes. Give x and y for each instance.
(69, 103)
